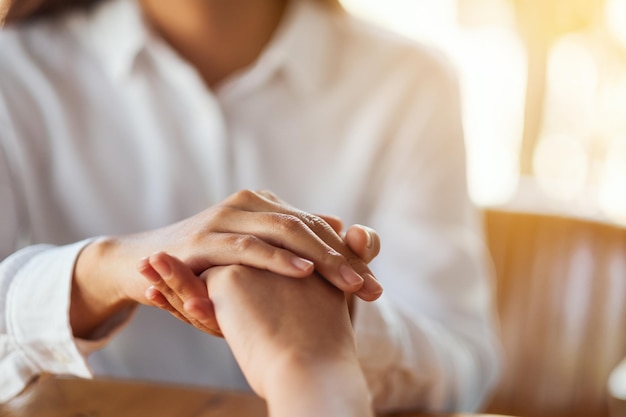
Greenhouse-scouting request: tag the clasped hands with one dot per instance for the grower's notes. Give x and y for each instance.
(271, 279)
(288, 329)
(258, 230)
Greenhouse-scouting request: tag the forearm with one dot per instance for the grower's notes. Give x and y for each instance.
(293, 340)
(319, 388)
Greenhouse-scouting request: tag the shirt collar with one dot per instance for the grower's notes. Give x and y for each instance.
(115, 32)
(301, 47)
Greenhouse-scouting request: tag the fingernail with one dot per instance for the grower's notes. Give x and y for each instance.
(349, 275)
(143, 262)
(369, 238)
(372, 285)
(151, 293)
(301, 263)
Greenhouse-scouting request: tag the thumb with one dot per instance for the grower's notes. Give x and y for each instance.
(363, 241)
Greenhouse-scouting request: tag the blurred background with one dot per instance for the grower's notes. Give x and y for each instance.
(544, 85)
(544, 90)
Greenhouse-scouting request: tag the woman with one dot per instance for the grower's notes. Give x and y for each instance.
(135, 116)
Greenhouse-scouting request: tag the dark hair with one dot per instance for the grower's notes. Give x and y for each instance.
(32, 9)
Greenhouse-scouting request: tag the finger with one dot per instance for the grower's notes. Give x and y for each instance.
(144, 267)
(350, 302)
(203, 311)
(284, 231)
(364, 241)
(158, 300)
(186, 287)
(161, 294)
(267, 194)
(290, 232)
(327, 264)
(172, 283)
(371, 289)
(178, 282)
(251, 250)
(333, 221)
(320, 243)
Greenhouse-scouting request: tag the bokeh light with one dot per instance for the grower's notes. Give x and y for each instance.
(580, 94)
(492, 66)
(615, 15)
(572, 87)
(612, 192)
(560, 163)
(424, 20)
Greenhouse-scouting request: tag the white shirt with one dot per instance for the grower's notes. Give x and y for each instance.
(617, 381)
(104, 129)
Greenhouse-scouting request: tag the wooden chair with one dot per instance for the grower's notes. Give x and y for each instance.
(561, 297)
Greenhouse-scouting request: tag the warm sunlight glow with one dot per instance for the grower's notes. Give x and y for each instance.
(560, 164)
(572, 88)
(615, 14)
(583, 98)
(492, 69)
(492, 63)
(425, 20)
(612, 107)
(613, 186)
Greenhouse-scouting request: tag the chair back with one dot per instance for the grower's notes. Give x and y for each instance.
(561, 298)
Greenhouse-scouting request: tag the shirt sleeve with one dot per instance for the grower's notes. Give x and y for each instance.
(35, 286)
(430, 342)
(35, 337)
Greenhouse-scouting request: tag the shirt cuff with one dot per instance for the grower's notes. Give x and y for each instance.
(37, 313)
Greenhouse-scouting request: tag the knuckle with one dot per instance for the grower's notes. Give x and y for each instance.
(317, 222)
(331, 256)
(268, 194)
(219, 213)
(287, 223)
(244, 196)
(355, 262)
(196, 232)
(271, 196)
(210, 223)
(277, 254)
(218, 217)
(245, 243)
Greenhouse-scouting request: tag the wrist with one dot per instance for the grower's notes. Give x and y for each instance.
(96, 294)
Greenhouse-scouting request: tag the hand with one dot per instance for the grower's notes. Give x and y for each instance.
(249, 228)
(292, 338)
(172, 287)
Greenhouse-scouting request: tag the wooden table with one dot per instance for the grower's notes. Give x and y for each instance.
(69, 397)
